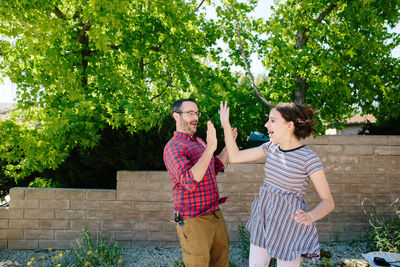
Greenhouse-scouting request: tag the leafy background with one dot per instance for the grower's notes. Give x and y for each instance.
(95, 79)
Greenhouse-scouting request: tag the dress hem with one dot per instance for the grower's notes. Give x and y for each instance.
(308, 256)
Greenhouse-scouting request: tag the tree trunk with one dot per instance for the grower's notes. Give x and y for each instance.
(83, 39)
(299, 94)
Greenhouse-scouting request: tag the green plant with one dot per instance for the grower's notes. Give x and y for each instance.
(39, 182)
(6, 183)
(384, 231)
(325, 254)
(99, 252)
(244, 239)
(326, 262)
(179, 263)
(87, 252)
(385, 126)
(273, 262)
(59, 258)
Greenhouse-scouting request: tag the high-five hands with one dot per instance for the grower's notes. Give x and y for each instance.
(224, 113)
(211, 137)
(234, 133)
(224, 117)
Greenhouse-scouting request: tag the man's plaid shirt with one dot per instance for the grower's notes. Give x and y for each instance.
(192, 199)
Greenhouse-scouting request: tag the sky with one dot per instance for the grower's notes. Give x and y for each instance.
(7, 89)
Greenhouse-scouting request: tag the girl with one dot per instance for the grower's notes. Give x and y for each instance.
(279, 224)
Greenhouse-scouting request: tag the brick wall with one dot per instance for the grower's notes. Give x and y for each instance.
(138, 212)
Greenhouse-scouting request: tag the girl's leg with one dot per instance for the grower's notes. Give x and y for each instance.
(293, 263)
(258, 257)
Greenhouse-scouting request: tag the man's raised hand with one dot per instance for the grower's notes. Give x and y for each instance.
(234, 133)
(211, 136)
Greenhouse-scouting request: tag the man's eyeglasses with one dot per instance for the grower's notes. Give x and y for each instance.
(191, 113)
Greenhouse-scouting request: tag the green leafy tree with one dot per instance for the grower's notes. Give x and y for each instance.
(333, 55)
(82, 66)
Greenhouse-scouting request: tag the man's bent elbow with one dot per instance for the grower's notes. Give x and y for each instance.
(190, 183)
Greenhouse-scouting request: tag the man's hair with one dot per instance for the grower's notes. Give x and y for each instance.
(176, 107)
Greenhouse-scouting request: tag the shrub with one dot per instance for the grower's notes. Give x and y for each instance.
(179, 263)
(6, 183)
(388, 126)
(87, 252)
(39, 182)
(384, 231)
(244, 239)
(99, 252)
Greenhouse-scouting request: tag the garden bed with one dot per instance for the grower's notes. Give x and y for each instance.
(341, 252)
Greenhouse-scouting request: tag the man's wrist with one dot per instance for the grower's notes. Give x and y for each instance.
(210, 151)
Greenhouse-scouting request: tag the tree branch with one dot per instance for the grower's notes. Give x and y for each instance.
(326, 12)
(5, 111)
(58, 13)
(299, 94)
(255, 89)
(82, 37)
(168, 85)
(155, 48)
(198, 7)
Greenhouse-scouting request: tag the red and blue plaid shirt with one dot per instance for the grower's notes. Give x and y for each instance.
(192, 198)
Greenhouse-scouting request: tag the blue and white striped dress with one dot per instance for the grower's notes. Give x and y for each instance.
(281, 195)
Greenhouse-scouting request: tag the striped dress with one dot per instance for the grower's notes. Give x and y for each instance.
(281, 195)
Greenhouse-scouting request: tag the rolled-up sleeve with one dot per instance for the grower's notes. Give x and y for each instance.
(218, 165)
(178, 166)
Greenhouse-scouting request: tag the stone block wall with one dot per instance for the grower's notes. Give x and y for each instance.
(360, 169)
(363, 171)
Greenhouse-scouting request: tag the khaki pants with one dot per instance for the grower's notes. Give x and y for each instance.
(204, 241)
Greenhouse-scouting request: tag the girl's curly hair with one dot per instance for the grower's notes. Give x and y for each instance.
(302, 117)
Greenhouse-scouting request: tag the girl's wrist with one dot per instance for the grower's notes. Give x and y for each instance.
(311, 216)
(226, 125)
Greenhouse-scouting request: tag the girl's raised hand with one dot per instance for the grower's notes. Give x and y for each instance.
(224, 113)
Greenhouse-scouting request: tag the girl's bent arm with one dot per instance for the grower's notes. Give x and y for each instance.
(322, 187)
(324, 207)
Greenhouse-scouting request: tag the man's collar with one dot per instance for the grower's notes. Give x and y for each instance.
(184, 135)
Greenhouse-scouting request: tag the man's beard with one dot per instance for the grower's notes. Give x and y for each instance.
(186, 126)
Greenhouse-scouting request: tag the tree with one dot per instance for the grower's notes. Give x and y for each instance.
(332, 55)
(82, 65)
(87, 70)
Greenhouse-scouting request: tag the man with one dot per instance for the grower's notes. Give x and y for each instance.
(193, 167)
